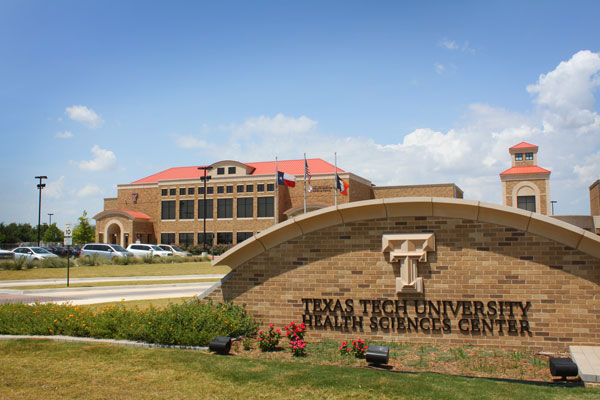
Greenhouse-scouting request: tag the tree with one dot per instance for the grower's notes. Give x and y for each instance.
(53, 234)
(83, 232)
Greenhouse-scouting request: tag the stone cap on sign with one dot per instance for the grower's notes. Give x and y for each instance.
(527, 221)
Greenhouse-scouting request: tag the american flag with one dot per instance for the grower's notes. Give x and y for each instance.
(307, 174)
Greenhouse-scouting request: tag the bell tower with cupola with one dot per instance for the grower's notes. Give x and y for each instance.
(525, 185)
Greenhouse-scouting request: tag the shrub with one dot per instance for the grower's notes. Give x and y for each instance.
(53, 263)
(92, 261)
(148, 259)
(298, 347)
(295, 332)
(358, 348)
(191, 324)
(268, 341)
(126, 260)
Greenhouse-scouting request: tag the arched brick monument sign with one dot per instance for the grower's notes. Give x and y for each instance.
(423, 270)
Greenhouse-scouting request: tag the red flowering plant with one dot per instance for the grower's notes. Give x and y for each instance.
(268, 341)
(357, 347)
(295, 333)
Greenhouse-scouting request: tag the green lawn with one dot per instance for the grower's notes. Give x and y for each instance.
(35, 369)
(112, 283)
(192, 268)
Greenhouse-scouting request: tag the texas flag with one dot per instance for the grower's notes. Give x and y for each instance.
(341, 185)
(286, 179)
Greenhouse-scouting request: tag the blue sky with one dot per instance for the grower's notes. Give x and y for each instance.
(98, 93)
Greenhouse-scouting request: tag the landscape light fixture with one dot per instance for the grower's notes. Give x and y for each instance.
(563, 367)
(378, 355)
(204, 178)
(40, 186)
(220, 345)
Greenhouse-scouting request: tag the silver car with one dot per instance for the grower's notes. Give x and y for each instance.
(175, 250)
(141, 250)
(104, 250)
(33, 253)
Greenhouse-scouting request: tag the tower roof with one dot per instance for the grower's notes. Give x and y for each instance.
(523, 145)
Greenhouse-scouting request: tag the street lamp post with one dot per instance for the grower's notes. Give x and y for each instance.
(40, 186)
(553, 202)
(204, 178)
(50, 215)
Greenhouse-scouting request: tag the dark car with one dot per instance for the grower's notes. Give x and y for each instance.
(59, 251)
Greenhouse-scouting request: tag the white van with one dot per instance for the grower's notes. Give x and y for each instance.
(141, 250)
(108, 251)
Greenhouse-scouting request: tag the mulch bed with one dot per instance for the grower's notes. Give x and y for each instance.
(471, 361)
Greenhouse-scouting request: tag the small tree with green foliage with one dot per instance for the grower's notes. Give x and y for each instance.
(83, 232)
(53, 234)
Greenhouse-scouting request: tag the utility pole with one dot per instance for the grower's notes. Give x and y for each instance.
(40, 186)
(204, 178)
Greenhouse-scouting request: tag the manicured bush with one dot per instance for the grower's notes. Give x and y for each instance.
(53, 263)
(268, 341)
(192, 324)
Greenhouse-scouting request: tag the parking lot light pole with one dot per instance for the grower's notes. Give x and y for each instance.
(204, 179)
(50, 215)
(40, 186)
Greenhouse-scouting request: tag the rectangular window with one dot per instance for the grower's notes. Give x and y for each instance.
(172, 192)
(225, 208)
(167, 209)
(220, 189)
(526, 203)
(167, 238)
(265, 206)
(244, 207)
(209, 238)
(249, 188)
(529, 156)
(190, 191)
(224, 237)
(270, 187)
(163, 192)
(230, 189)
(221, 171)
(519, 157)
(231, 170)
(241, 236)
(186, 239)
(210, 190)
(201, 190)
(186, 209)
(209, 209)
(182, 191)
(260, 187)
(240, 188)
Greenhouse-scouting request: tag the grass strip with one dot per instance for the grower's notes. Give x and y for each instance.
(192, 268)
(34, 369)
(141, 304)
(113, 283)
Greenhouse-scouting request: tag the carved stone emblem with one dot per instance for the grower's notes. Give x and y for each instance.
(408, 250)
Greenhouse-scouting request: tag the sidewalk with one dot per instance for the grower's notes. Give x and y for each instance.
(39, 282)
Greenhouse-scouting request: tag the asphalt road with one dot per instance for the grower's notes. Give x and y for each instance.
(103, 294)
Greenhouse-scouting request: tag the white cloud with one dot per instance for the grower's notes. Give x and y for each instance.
(63, 135)
(471, 154)
(84, 115)
(89, 190)
(103, 160)
(452, 45)
(439, 68)
(55, 189)
(189, 142)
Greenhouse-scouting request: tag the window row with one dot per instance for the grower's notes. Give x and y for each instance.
(519, 156)
(187, 239)
(260, 187)
(245, 208)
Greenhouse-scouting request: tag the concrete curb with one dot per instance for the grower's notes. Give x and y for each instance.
(129, 343)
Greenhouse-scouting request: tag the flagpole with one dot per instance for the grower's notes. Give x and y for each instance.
(335, 183)
(276, 192)
(305, 183)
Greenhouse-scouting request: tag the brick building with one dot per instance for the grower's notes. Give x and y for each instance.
(242, 199)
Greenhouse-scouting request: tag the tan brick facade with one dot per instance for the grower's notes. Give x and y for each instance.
(499, 285)
(595, 198)
(439, 190)
(290, 203)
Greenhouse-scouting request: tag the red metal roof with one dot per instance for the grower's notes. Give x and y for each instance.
(136, 214)
(531, 169)
(524, 145)
(294, 167)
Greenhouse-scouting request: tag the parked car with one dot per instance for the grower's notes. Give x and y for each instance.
(7, 255)
(105, 250)
(141, 250)
(58, 250)
(33, 253)
(175, 250)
